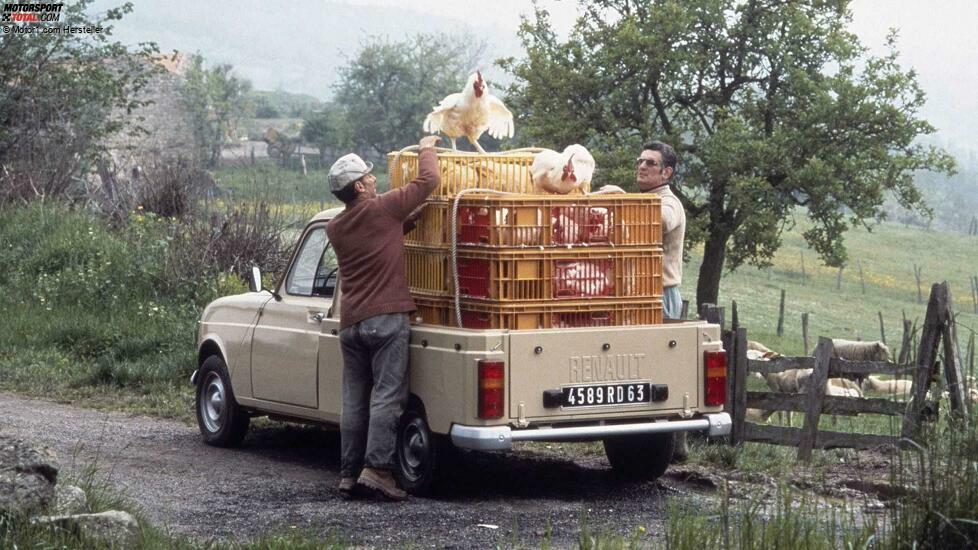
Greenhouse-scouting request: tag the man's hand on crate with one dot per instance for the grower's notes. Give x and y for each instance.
(606, 189)
(428, 141)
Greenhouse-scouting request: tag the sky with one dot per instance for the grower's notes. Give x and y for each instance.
(298, 46)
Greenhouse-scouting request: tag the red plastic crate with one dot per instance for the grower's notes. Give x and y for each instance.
(522, 275)
(496, 221)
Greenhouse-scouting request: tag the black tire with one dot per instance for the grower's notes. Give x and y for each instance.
(640, 457)
(221, 421)
(420, 453)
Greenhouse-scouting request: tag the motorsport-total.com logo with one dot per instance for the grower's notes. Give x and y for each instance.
(31, 13)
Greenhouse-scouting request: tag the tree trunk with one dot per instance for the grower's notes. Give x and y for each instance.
(708, 285)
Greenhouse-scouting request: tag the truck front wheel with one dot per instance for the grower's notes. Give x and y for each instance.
(419, 451)
(640, 457)
(221, 421)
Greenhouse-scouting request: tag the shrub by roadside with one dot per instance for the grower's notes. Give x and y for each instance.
(91, 310)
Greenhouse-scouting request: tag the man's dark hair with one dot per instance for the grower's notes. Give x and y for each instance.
(667, 152)
(348, 193)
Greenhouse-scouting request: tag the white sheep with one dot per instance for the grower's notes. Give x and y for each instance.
(759, 348)
(902, 388)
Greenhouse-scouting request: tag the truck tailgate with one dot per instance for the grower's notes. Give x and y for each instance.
(596, 372)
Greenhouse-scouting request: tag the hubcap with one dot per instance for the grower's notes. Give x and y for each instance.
(212, 403)
(415, 447)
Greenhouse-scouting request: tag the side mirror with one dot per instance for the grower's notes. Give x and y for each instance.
(254, 282)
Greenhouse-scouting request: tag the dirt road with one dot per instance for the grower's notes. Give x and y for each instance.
(286, 475)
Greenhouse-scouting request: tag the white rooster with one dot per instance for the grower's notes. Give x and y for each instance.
(553, 173)
(470, 113)
(582, 161)
(561, 173)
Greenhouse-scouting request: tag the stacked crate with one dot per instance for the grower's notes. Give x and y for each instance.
(530, 261)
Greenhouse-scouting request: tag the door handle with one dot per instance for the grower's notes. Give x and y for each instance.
(319, 316)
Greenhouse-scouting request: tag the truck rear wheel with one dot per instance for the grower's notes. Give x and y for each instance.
(419, 452)
(221, 421)
(640, 457)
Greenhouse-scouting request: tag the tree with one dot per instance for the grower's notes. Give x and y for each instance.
(329, 130)
(217, 100)
(390, 87)
(61, 97)
(772, 106)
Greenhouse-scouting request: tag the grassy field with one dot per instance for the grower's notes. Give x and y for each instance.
(887, 255)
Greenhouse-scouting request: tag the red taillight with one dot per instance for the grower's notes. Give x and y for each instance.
(491, 389)
(716, 377)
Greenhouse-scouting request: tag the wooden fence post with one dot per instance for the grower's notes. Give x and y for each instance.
(781, 315)
(815, 394)
(916, 274)
(926, 356)
(838, 279)
(971, 355)
(952, 367)
(882, 330)
(803, 274)
(862, 282)
(734, 322)
(905, 341)
(740, 387)
(804, 330)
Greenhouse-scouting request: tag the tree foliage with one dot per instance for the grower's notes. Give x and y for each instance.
(389, 87)
(328, 130)
(61, 96)
(217, 100)
(772, 106)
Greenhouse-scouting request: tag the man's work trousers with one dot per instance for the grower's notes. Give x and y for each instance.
(672, 302)
(375, 390)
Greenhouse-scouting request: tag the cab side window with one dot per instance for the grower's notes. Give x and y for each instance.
(303, 277)
(326, 275)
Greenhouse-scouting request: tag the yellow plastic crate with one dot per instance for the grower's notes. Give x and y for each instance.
(528, 275)
(497, 221)
(508, 172)
(537, 315)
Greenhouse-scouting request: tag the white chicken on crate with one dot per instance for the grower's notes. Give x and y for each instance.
(561, 173)
(471, 113)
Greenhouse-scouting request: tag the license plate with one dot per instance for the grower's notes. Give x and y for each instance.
(599, 395)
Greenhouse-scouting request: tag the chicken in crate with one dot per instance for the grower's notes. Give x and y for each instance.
(499, 221)
(531, 275)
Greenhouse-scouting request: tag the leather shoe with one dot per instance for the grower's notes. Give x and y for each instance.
(382, 483)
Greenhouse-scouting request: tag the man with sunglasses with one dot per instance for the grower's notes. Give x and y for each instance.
(656, 165)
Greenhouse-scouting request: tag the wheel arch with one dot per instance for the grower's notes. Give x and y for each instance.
(210, 345)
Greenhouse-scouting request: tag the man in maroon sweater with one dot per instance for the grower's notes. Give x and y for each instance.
(368, 237)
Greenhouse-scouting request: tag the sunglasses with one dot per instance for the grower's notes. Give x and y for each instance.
(647, 162)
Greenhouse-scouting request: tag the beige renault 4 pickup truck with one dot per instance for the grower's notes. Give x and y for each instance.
(277, 353)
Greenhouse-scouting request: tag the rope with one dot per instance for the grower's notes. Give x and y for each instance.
(454, 249)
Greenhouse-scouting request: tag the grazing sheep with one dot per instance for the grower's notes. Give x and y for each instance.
(849, 386)
(789, 381)
(758, 416)
(764, 351)
(860, 351)
(852, 350)
(893, 387)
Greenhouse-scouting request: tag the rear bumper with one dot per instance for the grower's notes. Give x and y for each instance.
(501, 438)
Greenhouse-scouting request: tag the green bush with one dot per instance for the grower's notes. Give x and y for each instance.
(89, 305)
